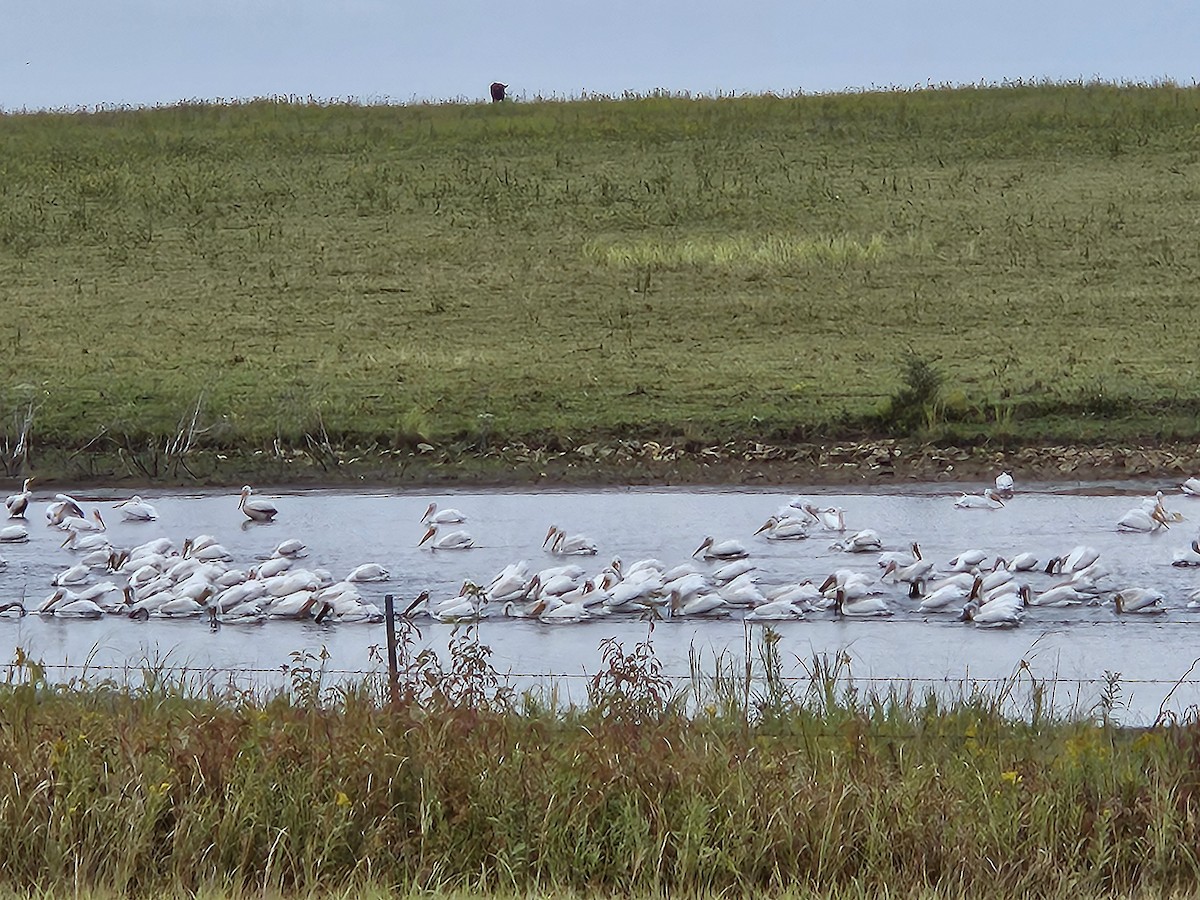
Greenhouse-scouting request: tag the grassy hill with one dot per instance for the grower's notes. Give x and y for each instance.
(660, 266)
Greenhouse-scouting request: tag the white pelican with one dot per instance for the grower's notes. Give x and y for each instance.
(951, 594)
(1191, 487)
(77, 574)
(780, 528)
(742, 591)
(775, 610)
(62, 507)
(92, 523)
(700, 605)
(435, 516)
(1005, 613)
(293, 548)
(899, 557)
(256, 510)
(64, 604)
(1059, 595)
(14, 534)
(1022, 562)
(912, 575)
(452, 540)
(721, 549)
(1150, 516)
(135, 509)
(968, 560)
(862, 606)
(86, 543)
(563, 544)
(989, 499)
(731, 570)
(1004, 485)
(832, 518)
(17, 503)
(1139, 600)
(1078, 559)
(368, 572)
(864, 541)
(1188, 557)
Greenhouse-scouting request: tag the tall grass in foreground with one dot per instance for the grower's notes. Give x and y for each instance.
(456, 783)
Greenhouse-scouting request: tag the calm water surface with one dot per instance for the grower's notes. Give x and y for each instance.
(1074, 647)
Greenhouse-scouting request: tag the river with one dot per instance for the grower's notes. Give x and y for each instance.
(1069, 651)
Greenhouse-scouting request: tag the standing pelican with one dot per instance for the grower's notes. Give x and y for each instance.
(256, 510)
(19, 502)
(1004, 485)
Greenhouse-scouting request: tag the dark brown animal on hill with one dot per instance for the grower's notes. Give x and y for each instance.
(498, 90)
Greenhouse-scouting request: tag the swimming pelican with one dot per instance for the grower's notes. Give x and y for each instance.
(784, 528)
(135, 509)
(861, 606)
(1191, 487)
(721, 549)
(775, 610)
(1078, 559)
(452, 540)
(14, 534)
(899, 557)
(92, 523)
(435, 516)
(368, 572)
(1059, 595)
(989, 499)
(1004, 613)
(864, 541)
(1146, 601)
(968, 560)
(1150, 516)
(1188, 557)
(292, 548)
(951, 594)
(562, 544)
(1022, 562)
(256, 510)
(1004, 485)
(19, 502)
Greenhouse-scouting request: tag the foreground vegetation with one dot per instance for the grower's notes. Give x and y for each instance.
(454, 783)
(274, 274)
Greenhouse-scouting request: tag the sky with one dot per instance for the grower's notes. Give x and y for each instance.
(87, 53)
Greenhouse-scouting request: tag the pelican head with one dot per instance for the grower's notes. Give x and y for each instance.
(766, 526)
(550, 534)
(708, 542)
(428, 534)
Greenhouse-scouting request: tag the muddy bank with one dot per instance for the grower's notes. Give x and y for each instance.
(621, 462)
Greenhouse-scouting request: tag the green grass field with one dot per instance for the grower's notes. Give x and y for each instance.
(695, 268)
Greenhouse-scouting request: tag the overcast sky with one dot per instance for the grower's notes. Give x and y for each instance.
(72, 53)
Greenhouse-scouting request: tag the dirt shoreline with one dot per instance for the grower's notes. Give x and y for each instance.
(642, 463)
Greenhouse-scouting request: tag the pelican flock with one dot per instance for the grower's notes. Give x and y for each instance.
(197, 578)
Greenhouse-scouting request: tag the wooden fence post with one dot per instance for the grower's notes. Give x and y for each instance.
(393, 675)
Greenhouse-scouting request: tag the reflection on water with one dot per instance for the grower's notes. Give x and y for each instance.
(345, 529)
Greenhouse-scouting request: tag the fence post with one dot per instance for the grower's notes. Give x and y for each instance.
(389, 611)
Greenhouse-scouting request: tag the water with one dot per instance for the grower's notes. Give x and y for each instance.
(1073, 648)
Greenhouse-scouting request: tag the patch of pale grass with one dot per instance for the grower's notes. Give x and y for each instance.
(768, 252)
